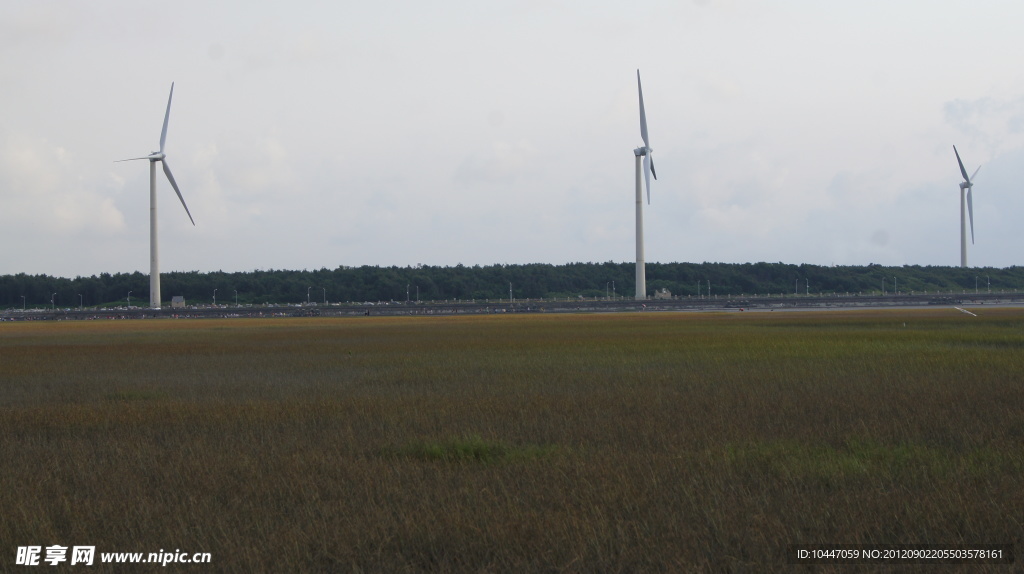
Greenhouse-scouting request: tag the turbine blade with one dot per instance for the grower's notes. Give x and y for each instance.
(962, 170)
(654, 173)
(170, 178)
(129, 159)
(643, 115)
(647, 176)
(970, 211)
(167, 115)
(975, 173)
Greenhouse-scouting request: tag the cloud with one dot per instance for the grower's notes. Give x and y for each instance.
(34, 25)
(43, 190)
(501, 163)
(992, 123)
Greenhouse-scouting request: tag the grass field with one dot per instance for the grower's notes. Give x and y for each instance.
(583, 443)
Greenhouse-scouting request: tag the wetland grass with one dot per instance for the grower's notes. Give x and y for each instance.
(585, 443)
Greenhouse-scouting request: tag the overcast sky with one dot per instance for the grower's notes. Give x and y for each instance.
(316, 134)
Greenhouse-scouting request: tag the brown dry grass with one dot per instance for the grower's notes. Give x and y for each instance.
(611, 443)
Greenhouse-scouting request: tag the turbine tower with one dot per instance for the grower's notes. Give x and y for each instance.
(647, 153)
(966, 184)
(154, 257)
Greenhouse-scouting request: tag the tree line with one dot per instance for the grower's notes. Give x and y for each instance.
(493, 282)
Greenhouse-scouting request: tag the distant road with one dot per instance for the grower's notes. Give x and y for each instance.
(391, 308)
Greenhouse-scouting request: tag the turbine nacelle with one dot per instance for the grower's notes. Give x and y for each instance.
(156, 156)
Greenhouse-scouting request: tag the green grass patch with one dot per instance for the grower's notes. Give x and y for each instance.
(860, 459)
(470, 449)
(135, 395)
(799, 460)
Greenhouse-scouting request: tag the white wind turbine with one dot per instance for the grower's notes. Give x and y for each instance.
(646, 152)
(966, 184)
(158, 156)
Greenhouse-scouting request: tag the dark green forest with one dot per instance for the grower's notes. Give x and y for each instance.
(529, 281)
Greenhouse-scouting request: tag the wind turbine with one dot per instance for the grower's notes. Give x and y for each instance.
(646, 152)
(966, 184)
(158, 156)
